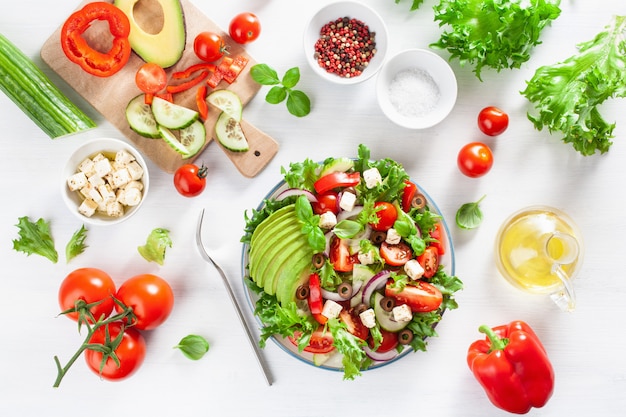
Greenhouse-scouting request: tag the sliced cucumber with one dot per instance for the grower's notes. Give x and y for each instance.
(173, 141)
(193, 138)
(228, 102)
(385, 318)
(229, 133)
(337, 165)
(140, 118)
(172, 116)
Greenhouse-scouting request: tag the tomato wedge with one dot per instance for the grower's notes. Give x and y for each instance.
(396, 255)
(315, 300)
(321, 341)
(337, 180)
(353, 323)
(421, 296)
(429, 260)
(437, 233)
(340, 255)
(407, 195)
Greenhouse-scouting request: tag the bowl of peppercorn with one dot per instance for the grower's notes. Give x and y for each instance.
(416, 88)
(346, 42)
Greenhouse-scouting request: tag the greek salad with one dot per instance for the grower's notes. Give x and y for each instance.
(345, 263)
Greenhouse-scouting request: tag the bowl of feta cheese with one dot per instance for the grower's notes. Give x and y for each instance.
(105, 181)
(416, 89)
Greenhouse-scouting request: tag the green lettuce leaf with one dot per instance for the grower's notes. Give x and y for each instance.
(157, 242)
(35, 238)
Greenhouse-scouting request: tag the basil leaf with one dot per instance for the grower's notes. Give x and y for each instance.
(469, 215)
(76, 245)
(264, 75)
(298, 103)
(291, 78)
(276, 94)
(193, 346)
(347, 229)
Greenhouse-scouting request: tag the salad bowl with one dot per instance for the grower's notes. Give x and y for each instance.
(263, 303)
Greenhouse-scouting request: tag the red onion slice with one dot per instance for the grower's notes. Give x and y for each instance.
(296, 191)
(348, 214)
(377, 282)
(380, 357)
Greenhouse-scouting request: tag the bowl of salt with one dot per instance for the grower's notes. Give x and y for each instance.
(416, 89)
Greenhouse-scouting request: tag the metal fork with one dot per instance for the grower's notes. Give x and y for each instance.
(208, 258)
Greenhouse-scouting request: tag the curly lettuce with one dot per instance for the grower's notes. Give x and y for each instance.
(566, 95)
(499, 34)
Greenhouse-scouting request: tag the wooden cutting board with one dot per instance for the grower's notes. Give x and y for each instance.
(110, 95)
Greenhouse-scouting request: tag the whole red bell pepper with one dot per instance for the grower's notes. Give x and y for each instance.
(512, 366)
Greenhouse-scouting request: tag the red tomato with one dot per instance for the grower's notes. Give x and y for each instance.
(209, 46)
(340, 255)
(492, 121)
(429, 260)
(150, 297)
(321, 341)
(387, 215)
(150, 78)
(130, 352)
(421, 296)
(475, 159)
(389, 342)
(396, 255)
(327, 201)
(353, 324)
(437, 233)
(407, 195)
(315, 301)
(89, 285)
(244, 28)
(190, 180)
(336, 180)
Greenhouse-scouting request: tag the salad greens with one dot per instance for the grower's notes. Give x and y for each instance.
(298, 103)
(35, 238)
(76, 245)
(567, 95)
(157, 242)
(498, 34)
(295, 319)
(415, 4)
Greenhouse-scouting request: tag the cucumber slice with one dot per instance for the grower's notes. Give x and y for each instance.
(140, 118)
(229, 133)
(385, 318)
(173, 141)
(337, 165)
(228, 102)
(193, 138)
(172, 116)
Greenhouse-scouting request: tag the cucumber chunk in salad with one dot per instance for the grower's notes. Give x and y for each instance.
(355, 257)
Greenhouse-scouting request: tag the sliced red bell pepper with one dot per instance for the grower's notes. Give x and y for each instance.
(512, 366)
(187, 84)
(188, 72)
(337, 180)
(203, 107)
(220, 70)
(316, 303)
(78, 50)
(239, 63)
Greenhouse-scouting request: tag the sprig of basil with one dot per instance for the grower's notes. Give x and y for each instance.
(298, 103)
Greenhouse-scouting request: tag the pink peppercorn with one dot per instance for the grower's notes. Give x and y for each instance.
(345, 47)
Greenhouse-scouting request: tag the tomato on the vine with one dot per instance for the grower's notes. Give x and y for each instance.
(209, 46)
(150, 78)
(130, 352)
(90, 285)
(150, 297)
(387, 216)
(190, 180)
(475, 159)
(244, 28)
(492, 121)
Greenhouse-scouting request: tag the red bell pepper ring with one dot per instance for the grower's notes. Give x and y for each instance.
(315, 300)
(336, 180)
(512, 366)
(78, 50)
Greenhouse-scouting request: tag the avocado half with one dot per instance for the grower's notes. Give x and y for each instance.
(164, 48)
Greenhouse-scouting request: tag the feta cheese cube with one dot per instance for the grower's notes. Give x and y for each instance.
(347, 201)
(393, 238)
(328, 220)
(366, 258)
(331, 309)
(372, 177)
(87, 207)
(413, 269)
(96, 180)
(102, 167)
(368, 318)
(87, 167)
(402, 313)
(135, 170)
(77, 181)
(123, 157)
(106, 192)
(90, 192)
(120, 178)
(114, 209)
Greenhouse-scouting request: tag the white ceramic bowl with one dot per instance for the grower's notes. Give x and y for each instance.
(108, 147)
(352, 10)
(416, 89)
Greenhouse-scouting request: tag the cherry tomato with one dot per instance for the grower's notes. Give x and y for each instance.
(387, 215)
(353, 323)
(396, 255)
(492, 121)
(244, 28)
(150, 297)
(130, 352)
(209, 46)
(89, 285)
(151, 78)
(190, 180)
(327, 201)
(429, 260)
(340, 255)
(421, 296)
(321, 341)
(475, 159)
(389, 342)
